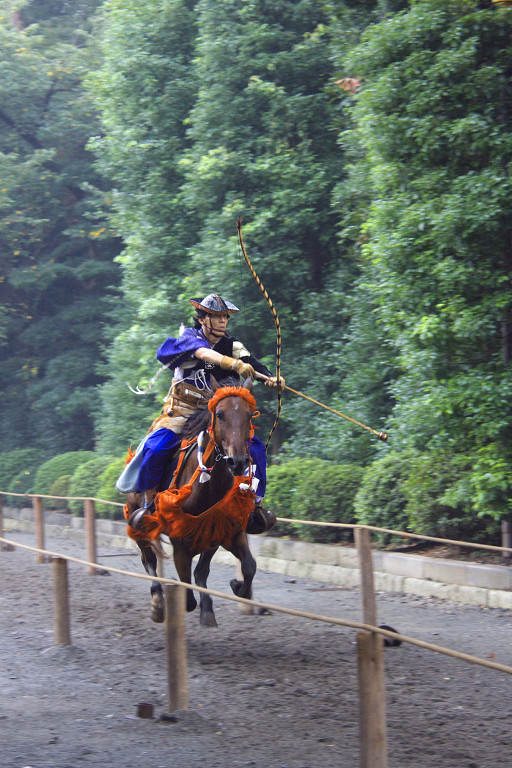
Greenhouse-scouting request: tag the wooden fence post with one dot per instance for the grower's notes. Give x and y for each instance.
(372, 686)
(90, 533)
(176, 647)
(364, 550)
(61, 594)
(37, 505)
(372, 700)
(506, 540)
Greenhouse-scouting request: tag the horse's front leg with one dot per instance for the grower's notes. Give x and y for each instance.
(240, 549)
(183, 565)
(149, 561)
(201, 573)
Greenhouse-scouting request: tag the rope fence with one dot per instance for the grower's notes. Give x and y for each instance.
(370, 646)
(333, 620)
(506, 550)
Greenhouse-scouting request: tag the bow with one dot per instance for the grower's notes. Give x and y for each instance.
(276, 321)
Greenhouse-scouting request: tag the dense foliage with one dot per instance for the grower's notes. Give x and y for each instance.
(434, 119)
(56, 262)
(367, 148)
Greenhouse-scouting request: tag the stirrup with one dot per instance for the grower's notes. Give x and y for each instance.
(135, 519)
(260, 520)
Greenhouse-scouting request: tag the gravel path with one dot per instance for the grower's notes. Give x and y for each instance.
(264, 691)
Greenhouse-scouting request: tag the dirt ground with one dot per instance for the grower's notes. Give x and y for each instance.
(264, 691)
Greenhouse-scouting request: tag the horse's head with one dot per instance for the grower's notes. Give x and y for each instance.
(233, 409)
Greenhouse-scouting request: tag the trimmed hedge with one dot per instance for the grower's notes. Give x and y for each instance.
(59, 487)
(283, 481)
(424, 493)
(23, 482)
(440, 499)
(381, 498)
(63, 464)
(314, 489)
(85, 482)
(107, 490)
(17, 466)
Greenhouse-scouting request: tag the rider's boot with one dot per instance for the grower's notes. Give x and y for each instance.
(260, 519)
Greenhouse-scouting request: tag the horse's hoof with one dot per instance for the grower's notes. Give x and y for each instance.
(191, 602)
(157, 609)
(207, 619)
(388, 641)
(263, 612)
(236, 586)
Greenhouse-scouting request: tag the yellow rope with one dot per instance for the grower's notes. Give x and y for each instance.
(381, 435)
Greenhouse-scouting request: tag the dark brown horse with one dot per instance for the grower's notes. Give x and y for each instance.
(204, 508)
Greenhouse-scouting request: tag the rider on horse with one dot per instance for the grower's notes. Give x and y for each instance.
(199, 352)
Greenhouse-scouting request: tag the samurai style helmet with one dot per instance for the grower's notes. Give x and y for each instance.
(214, 305)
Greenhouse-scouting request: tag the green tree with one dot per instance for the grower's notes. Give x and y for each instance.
(144, 91)
(433, 116)
(56, 255)
(221, 110)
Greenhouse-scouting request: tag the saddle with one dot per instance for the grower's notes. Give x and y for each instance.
(184, 400)
(175, 463)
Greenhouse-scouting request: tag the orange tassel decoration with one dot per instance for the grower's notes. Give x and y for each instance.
(214, 527)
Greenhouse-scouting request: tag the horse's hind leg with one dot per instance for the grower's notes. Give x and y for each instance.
(201, 573)
(149, 561)
(240, 549)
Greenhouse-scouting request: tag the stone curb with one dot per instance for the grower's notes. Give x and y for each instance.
(451, 580)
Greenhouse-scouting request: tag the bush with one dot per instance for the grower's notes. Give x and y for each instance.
(23, 482)
(283, 480)
(314, 489)
(429, 494)
(490, 481)
(327, 494)
(59, 487)
(440, 499)
(381, 500)
(13, 464)
(63, 464)
(107, 490)
(85, 482)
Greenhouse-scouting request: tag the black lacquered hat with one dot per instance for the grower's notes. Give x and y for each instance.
(214, 305)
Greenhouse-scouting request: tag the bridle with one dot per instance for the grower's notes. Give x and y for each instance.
(203, 454)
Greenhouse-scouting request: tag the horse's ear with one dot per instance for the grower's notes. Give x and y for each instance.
(214, 384)
(248, 383)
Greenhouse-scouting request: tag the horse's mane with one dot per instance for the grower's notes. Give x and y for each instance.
(201, 420)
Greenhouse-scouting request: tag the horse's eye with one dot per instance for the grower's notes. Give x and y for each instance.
(220, 416)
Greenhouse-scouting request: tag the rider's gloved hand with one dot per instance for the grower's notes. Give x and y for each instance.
(272, 383)
(245, 370)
